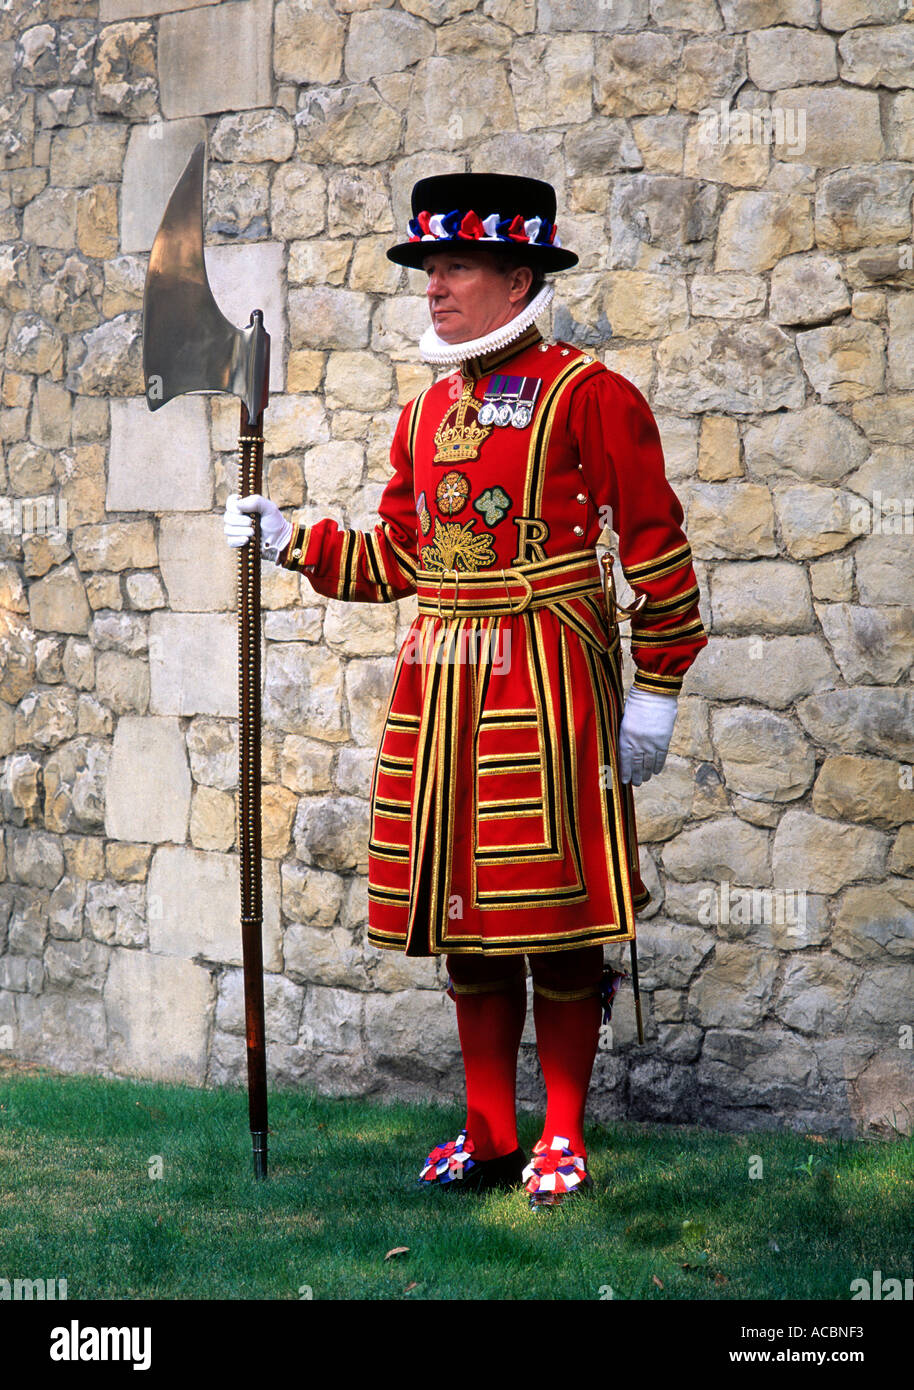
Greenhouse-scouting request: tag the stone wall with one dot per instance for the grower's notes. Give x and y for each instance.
(737, 178)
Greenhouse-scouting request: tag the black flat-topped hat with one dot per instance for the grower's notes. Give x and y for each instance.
(492, 210)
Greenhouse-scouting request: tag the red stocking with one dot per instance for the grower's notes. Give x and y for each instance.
(491, 996)
(567, 1012)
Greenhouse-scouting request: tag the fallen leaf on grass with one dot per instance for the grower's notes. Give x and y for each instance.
(397, 1250)
(720, 1279)
(658, 1282)
(413, 1285)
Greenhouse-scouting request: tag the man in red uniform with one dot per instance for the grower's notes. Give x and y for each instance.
(502, 822)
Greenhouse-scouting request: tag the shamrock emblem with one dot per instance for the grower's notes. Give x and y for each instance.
(493, 505)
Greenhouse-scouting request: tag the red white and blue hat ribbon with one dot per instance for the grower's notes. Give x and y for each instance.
(469, 226)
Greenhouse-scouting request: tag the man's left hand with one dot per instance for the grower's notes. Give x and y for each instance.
(644, 734)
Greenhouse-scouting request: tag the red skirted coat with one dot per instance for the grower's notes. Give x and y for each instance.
(498, 820)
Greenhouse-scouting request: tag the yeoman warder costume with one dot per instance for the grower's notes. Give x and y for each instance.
(502, 823)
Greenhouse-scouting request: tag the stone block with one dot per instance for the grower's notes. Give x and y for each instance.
(432, 120)
(412, 1035)
(734, 990)
(116, 913)
(114, 546)
(193, 911)
(125, 71)
(841, 126)
(730, 368)
(763, 755)
(731, 521)
(58, 602)
(325, 317)
(814, 520)
(311, 896)
(779, 57)
(332, 833)
(876, 922)
(815, 443)
(320, 956)
(180, 681)
(108, 361)
(159, 460)
(820, 855)
(865, 719)
(199, 569)
(554, 72)
(776, 671)
(159, 1012)
(635, 74)
(155, 159)
(762, 596)
(885, 568)
(74, 785)
(303, 692)
(50, 219)
(663, 804)
(814, 995)
(195, 77)
(308, 42)
(864, 206)
(87, 154)
(58, 1031)
(870, 645)
(384, 41)
(878, 57)
(808, 289)
(34, 858)
(148, 789)
(843, 361)
(213, 748)
(881, 1096)
(724, 848)
(211, 819)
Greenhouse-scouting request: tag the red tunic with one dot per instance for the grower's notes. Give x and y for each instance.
(498, 821)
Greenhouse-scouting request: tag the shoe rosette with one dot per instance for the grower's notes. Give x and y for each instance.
(555, 1172)
(448, 1162)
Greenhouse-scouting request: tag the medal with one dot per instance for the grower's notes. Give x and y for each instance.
(509, 400)
(526, 400)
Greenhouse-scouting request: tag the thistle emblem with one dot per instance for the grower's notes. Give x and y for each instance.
(460, 441)
(493, 505)
(457, 547)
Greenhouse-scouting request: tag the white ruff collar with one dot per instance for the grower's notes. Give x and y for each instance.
(436, 351)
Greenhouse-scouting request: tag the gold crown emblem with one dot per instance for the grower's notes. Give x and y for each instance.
(460, 441)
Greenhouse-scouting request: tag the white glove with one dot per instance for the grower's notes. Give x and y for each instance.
(275, 531)
(644, 734)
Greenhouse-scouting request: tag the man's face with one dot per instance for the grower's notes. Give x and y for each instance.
(468, 296)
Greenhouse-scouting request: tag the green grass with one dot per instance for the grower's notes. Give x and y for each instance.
(77, 1201)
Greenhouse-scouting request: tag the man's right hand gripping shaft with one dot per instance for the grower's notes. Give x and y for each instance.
(275, 531)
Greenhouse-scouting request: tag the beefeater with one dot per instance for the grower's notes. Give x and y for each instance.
(502, 822)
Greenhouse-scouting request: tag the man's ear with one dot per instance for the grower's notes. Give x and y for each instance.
(521, 280)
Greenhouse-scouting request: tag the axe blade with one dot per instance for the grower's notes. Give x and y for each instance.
(188, 343)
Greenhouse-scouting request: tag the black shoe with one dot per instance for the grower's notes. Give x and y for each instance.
(504, 1173)
(450, 1166)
